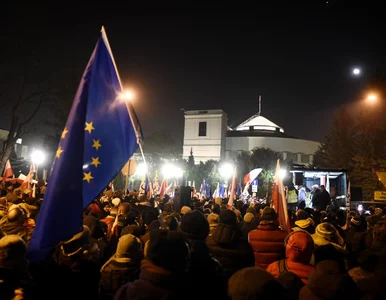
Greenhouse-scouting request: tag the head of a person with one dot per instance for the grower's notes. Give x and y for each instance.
(194, 225)
(169, 250)
(184, 210)
(322, 187)
(301, 215)
(249, 218)
(268, 215)
(315, 187)
(168, 222)
(16, 215)
(216, 209)
(299, 246)
(228, 217)
(255, 283)
(13, 253)
(129, 246)
(326, 233)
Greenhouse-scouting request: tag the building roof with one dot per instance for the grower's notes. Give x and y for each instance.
(259, 123)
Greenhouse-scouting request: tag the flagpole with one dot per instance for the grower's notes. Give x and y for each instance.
(137, 133)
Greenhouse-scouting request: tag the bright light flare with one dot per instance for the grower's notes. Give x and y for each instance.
(38, 157)
(170, 171)
(372, 97)
(356, 71)
(141, 169)
(127, 95)
(226, 170)
(282, 173)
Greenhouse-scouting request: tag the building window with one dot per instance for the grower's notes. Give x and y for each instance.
(202, 129)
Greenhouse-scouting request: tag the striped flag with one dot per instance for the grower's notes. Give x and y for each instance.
(279, 201)
(8, 172)
(217, 191)
(162, 190)
(252, 175)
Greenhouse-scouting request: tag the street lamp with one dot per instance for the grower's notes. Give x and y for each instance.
(282, 173)
(141, 169)
(127, 95)
(372, 97)
(226, 170)
(38, 157)
(356, 71)
(170, 171)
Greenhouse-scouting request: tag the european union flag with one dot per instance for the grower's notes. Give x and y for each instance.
(99, 137)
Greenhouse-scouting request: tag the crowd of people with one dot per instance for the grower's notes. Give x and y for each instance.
(133, 248)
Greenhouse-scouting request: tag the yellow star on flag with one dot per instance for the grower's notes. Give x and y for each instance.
(87, 177)
(89, 127)
(65, 131)
(96, 162)
(96, 144)
(59, 152)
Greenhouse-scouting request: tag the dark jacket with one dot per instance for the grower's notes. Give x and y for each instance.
(154, 283)
(226, 246)
(329, 281)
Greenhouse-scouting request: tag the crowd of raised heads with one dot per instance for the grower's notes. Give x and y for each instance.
(130, 248)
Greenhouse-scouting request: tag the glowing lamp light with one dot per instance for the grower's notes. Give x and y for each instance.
(372, 97)
(170, 171)
(356, 71)
(226, 170)
(127, 95)
(141, 169)
(282, 173)
(38, 157)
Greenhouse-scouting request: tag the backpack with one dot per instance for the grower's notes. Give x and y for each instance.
(290, 281)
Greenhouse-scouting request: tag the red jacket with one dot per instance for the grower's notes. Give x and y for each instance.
(267, 242)
(299, 249)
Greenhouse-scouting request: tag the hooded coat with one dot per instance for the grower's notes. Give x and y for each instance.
(299, 248)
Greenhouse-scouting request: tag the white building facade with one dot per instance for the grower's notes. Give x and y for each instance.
(207, 134)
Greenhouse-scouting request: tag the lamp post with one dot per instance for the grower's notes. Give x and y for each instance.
(37, 157)
(226, 171)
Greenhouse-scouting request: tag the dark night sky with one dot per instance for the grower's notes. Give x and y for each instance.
(296, 54)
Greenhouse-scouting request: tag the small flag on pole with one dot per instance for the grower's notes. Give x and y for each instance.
(102, 132)
(8, 172)
(251, 176)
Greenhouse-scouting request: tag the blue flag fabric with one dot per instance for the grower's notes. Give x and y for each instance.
(98, 139)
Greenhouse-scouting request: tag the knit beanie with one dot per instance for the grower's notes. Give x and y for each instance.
(268, 214)
(13, 251)
(252, 210)
(195, 225)
(248, 218)
(116, 201)
(228, 217)
(218, 201)
(328, 232)
(213, 219)
(301, 215)
(185, 209)
(168, 250)
(129, 246)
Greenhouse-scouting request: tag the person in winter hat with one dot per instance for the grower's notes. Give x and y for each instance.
(299, 249)
(203, 267)
(122, 267)
(255, 283)
(325, 233)
(162, 273)
(248, 223)
(15, 282)
(304, 222)
(267, 241)
(213, 220)
(227, 246)
(184, 210)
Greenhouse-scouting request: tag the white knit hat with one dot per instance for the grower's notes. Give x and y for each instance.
(116, 201)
